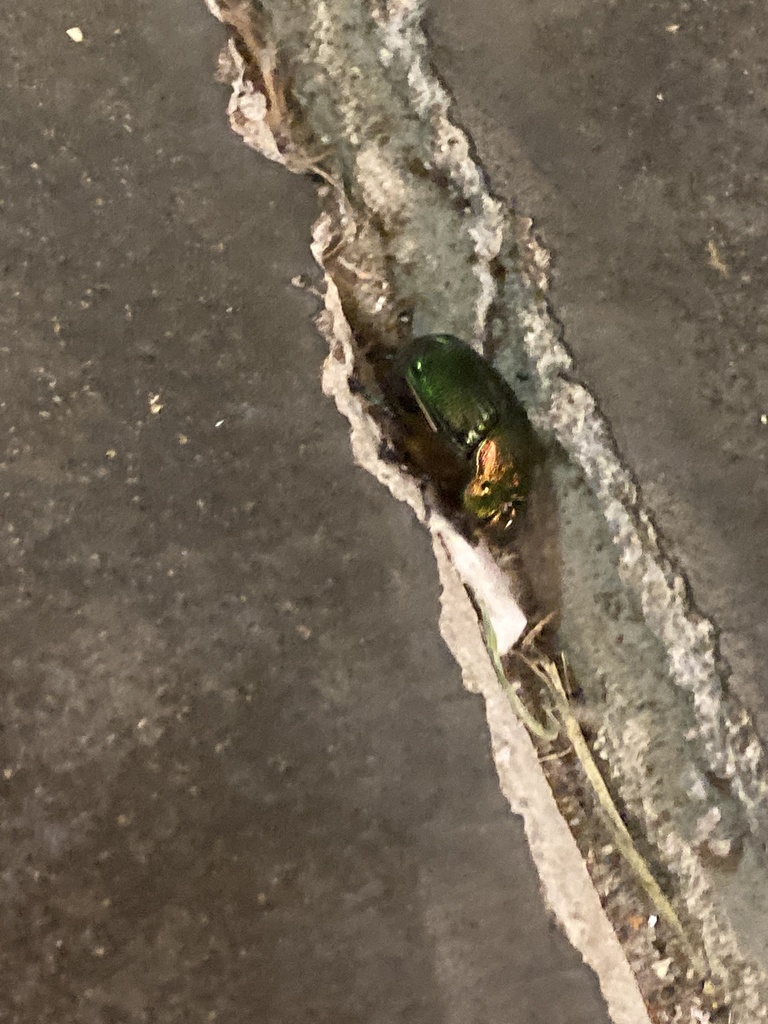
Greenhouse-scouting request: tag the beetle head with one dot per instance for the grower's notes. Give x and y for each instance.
(496, 492)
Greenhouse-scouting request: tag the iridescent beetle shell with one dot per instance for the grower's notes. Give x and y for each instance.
(465, 400)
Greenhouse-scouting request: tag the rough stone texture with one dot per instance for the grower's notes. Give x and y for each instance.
(240, 777)
(635, 136)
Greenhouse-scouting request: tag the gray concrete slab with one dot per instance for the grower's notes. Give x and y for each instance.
(241, 780)
(635, 137)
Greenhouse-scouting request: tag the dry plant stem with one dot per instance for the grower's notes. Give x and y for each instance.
(563, 720)
(547, 733)
(549, 672)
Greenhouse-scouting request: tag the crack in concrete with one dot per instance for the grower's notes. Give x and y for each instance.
(411, 234)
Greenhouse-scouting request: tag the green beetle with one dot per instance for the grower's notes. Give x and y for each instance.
(468, 403)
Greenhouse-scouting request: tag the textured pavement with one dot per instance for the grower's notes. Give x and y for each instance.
(241, 780)
(635, 136)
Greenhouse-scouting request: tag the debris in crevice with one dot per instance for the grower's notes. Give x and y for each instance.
(411, 241)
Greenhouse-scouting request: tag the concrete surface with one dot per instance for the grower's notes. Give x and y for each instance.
(240, 778)
(423, 233)
(635, 136)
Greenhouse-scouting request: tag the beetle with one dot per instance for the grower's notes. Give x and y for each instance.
(467, 402)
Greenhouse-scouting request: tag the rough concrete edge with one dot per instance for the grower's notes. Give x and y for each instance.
(567, 887)
(733, 748)
(727, 735)
(401, 31)
(568, 409)
(570, 412)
